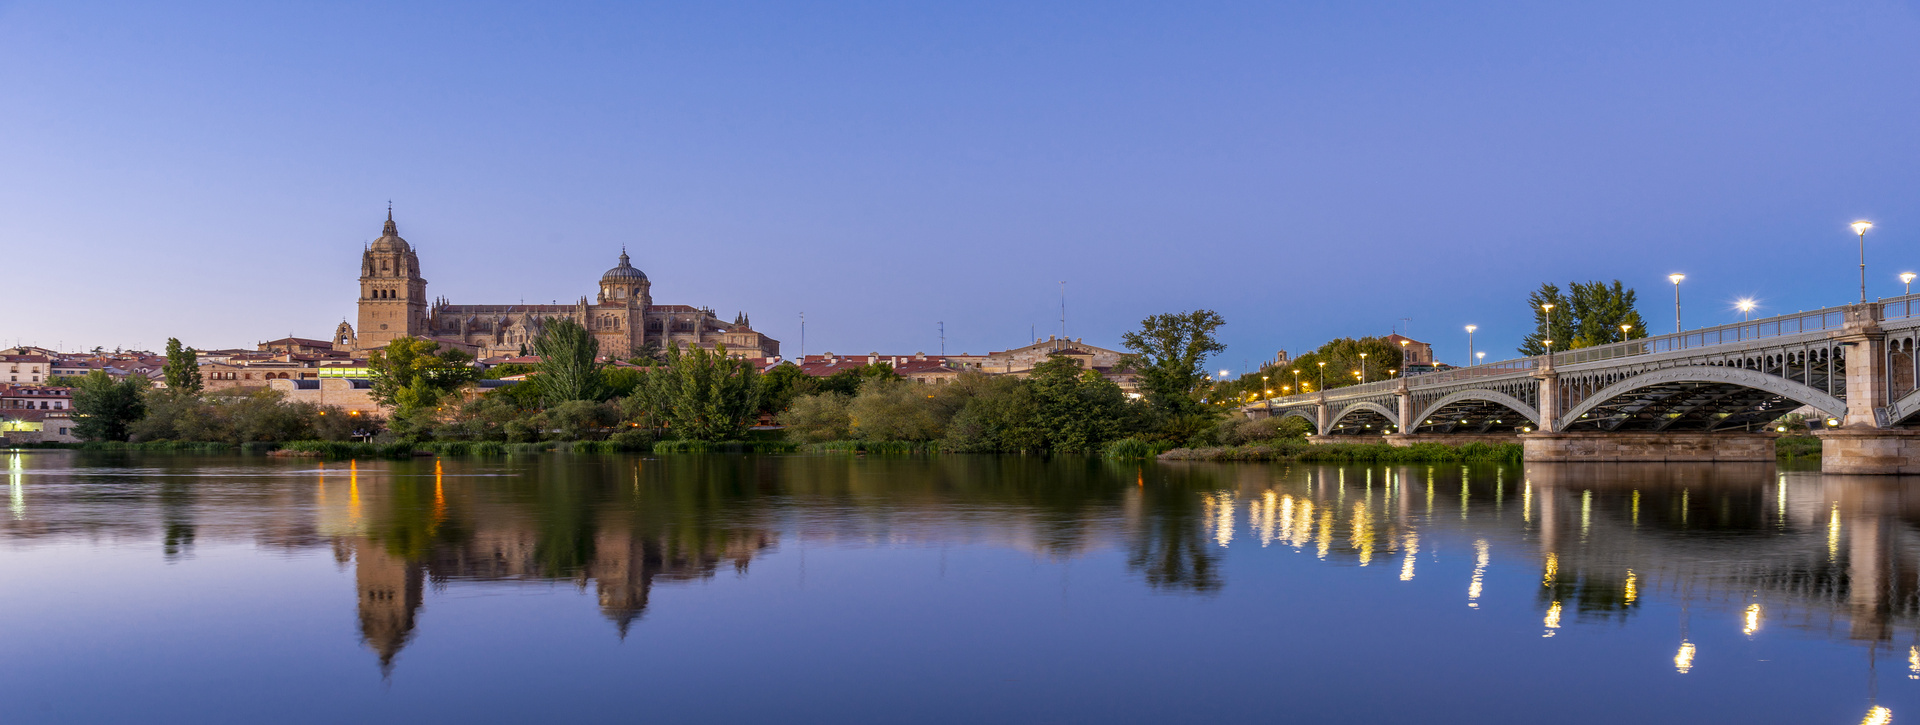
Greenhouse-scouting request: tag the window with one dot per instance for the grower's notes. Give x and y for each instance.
(63, 431)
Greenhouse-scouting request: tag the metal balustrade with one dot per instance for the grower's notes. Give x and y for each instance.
(1905, 307)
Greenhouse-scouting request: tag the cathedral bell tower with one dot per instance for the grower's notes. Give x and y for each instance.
(393, 297)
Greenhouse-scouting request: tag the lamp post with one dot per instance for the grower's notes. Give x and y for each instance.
(1906, 278)
(1363, 367)
(1675, 279)
(1296, 381)
(1470, 329)
(1623, 332)
(1860, 228)
(1745, 305)
(1323, 377)
(1403, 352)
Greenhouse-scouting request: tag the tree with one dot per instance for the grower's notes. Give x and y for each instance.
(710, 397)
(1343, 363)
(1591, 314)
(413, 376)
(105, 409)
(1170, 353)
(182, 370)
(569, 362)
(781, 385)
(1076, 410)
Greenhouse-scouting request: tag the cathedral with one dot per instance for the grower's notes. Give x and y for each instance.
(393, 304)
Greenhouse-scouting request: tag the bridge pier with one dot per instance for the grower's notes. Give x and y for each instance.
(1544, 447)
(1861, 445)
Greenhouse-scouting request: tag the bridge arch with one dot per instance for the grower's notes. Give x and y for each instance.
(1366, 407)
(1310, 415)
(1515, 405)
(1691, 397)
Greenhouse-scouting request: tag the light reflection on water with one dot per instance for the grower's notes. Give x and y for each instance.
(1802, 584)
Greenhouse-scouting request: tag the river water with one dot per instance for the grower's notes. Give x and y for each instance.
(572, 588)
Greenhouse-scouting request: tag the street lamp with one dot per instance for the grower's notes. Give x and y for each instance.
(1745, 305)
(1323, 377)
(1470, 329)
(1675, 279)
(1480, 357)
(1363, 367)
(1623, 332)
(1860, 228)
(1296, 380)
(1403, 351)
(1906, 278)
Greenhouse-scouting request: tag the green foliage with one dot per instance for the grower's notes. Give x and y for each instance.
(413, 377)
(569, 367)
(342, 450)
(849, 381)
(708, 396)
(506, 370)
(1592, 313)
(877, 447)
(1135, 448)
(581, 420)
(781, 385)
(1800, 446)
(243, 416)
(818, 418)
(893, 410)
(182, 371)
(1343, 361)
(105, 409)
(1059, 408)
(1170, 355)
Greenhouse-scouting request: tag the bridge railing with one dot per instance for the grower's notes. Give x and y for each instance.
(1832, 318)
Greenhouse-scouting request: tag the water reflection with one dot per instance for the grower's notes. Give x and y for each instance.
(1812, 553)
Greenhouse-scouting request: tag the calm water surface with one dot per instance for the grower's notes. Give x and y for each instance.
(159, 588)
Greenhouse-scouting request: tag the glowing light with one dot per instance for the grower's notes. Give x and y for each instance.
(1362, 537)
(1683, 660)
(1878, 716)
(1222, 505)
(1551, 571)
(1413, 551)
(1861, 227)
(17, 487)
(1553, 618)
(1913, 663)
(1676, 277)
(1751, 622)
(1479, 573)
(1632, 591)
(1833, 534)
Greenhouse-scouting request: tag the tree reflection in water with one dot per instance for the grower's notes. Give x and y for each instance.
(1797, 549)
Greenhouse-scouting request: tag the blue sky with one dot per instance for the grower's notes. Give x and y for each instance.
(1309, 170)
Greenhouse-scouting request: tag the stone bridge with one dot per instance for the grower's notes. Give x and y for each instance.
(1706, 394)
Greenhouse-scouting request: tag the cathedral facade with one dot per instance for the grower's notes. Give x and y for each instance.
(622, 316)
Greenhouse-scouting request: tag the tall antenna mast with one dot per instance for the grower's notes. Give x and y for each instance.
(803, 337)
(1063, 309)
(943, 339)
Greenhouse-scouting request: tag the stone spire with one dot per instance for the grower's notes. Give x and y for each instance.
(390, 230)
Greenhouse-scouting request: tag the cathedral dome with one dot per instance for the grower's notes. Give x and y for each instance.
(390, 240)
(625, 273)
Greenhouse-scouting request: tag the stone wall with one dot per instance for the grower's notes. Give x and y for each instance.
(1668, 447)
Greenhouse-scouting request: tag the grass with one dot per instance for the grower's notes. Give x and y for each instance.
(1791, 447)
(1133, 449)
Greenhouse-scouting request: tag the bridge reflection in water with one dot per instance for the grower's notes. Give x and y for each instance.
(1747, 546)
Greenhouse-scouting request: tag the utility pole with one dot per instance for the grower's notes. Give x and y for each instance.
(803, 337)
(1063, 309)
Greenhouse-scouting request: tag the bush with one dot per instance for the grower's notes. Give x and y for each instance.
(818, 418)
(633, 440)
(1797, 447)
(1128, 449)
